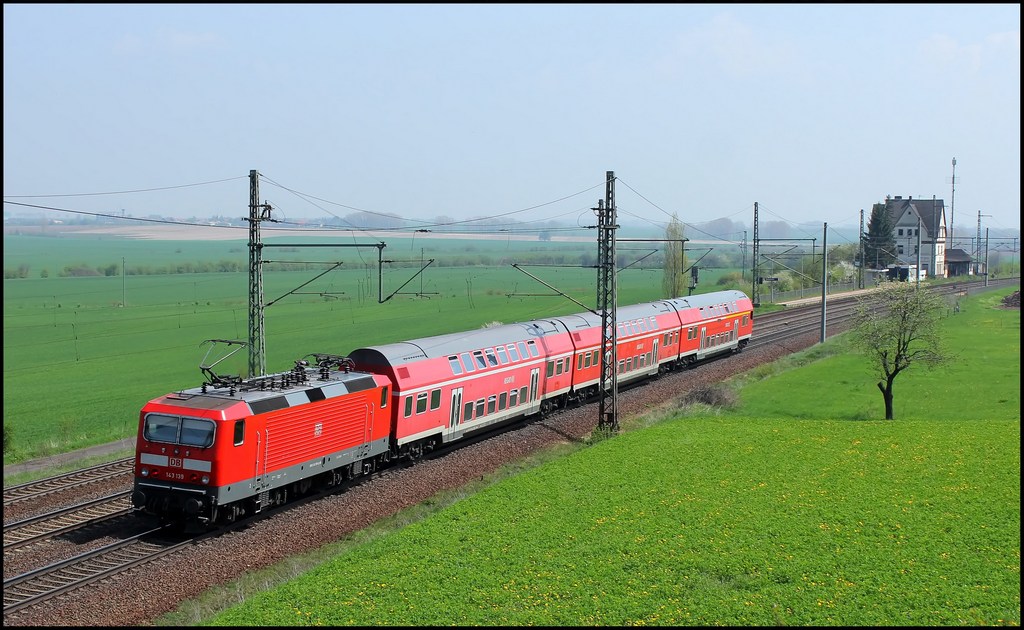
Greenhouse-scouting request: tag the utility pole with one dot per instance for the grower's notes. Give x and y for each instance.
(257, 336)
(919, 251)
(935, 241)
(860, 255)
(986, 257)
(824, 277)
(606, 305)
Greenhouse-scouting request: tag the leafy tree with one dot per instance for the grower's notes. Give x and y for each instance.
(897, 327)
(879, 243)
(673, 283)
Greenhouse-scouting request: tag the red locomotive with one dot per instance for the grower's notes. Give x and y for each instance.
(231, 447)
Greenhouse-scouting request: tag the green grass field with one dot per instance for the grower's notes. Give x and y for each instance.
(796, 506)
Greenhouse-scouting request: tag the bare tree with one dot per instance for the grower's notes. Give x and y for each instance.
(897, 327)
(673, 283)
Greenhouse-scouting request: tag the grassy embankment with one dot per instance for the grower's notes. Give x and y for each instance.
(796, 505)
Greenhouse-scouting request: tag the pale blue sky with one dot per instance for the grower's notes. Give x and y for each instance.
(814, 112)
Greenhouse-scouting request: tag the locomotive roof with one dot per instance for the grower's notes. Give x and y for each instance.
(275, 391)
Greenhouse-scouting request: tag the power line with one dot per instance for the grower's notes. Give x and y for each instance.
(125, 192)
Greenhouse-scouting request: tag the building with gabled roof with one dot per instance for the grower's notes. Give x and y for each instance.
(919, 229)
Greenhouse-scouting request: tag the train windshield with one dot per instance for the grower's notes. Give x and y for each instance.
(179, 430)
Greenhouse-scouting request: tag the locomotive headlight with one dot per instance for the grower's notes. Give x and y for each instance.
(206, 479)
(145, 472)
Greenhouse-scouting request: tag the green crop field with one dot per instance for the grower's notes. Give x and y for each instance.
(794, 505)
(82, 354)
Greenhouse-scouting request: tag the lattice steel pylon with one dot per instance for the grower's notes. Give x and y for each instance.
(608, 419)
(755, 290)
(257, 213)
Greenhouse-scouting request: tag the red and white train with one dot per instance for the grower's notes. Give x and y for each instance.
(213, 453)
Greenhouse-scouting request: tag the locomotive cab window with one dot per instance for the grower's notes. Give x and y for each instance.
(239, 432)
(196, 432)
(383, 397)
(178, 430)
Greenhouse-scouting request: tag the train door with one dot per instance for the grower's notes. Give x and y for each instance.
(703, 340)
(534, 382)
(453, 414)
(260, 480)
(654, 355)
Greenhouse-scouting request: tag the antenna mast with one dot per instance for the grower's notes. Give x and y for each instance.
(952, 209)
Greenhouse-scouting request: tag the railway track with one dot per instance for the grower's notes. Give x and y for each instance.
(74, 479)
(50, 581)
(64, 520)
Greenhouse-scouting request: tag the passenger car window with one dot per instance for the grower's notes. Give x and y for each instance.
(456, 366)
